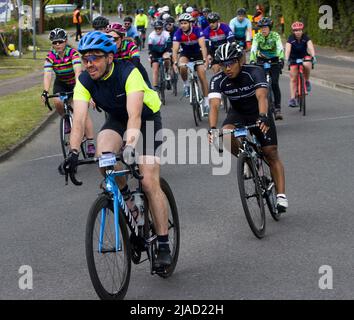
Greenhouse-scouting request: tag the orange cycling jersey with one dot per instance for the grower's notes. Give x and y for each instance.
(77, 17)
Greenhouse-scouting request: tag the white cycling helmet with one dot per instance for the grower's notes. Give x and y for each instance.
(189, 10)
(165, 9)
(165, 16)
(185, 17)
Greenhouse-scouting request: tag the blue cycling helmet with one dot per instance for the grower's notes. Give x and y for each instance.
(96, 40)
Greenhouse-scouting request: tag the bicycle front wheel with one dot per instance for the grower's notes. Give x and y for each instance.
(109, 268)
(162, 85)
(64, 132)
(251, 194)
(195, 106)
(303, 94)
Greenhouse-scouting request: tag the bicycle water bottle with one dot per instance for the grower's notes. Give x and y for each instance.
(138, 200)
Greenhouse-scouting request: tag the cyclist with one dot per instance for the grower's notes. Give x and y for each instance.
(141, 23)
(151, 13)
(299, 46)
(132, 32)
(65, 62)
(100, 23)
(121, 91)
(192, 43)
(158, 48)
(266, 46)
(126, 49)
(246, 88)
(203, 19)
(171, 28)
(215, 35)
(242, 28)
(120, 10)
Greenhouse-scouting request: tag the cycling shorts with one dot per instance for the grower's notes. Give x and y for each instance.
(249, 119)
(293, 61)
(150, 130)
(192, 56)
(155, 56)
(60, 86)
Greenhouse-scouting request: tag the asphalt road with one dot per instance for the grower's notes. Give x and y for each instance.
(42, 221)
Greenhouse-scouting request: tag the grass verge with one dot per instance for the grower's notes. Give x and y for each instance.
(20, 113)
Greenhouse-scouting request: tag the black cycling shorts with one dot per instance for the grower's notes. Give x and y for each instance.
(151, 141)
(60, 86)
(192, 56)
(155, 56)
(271, 137)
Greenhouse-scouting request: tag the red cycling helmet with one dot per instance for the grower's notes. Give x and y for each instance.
(115, 26)
(297, 25)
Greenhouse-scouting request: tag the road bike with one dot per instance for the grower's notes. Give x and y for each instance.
(196, 97)
(301, 89)
(114, 238)
(162, 80)
(142, 36)
(267, 65)
(255, 182)
(66, 122)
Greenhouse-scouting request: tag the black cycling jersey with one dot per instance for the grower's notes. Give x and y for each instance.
(241, 91)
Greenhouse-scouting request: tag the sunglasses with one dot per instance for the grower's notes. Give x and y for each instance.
(91, 58)
(229, 63)
(55, 43)
(297, 30)
(127, 23)
(158, 28)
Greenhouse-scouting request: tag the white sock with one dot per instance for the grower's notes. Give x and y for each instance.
(282, 195)
(206, 101)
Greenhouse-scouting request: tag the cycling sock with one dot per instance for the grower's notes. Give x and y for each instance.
(90, 141)
(185, 83)
(281, 195)
(163, 241)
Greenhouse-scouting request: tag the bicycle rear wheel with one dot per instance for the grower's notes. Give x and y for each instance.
(109, 269)
(251, 195)
(64, 133)
(270, 194)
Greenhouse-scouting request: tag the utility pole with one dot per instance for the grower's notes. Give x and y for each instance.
(19, 5)
(91, 11)
(100, 7)
(34, 28)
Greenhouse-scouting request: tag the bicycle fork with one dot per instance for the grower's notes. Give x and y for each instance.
(118, 202)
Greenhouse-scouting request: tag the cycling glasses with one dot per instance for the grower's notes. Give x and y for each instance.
(54, 43)
(228, 63)
(92, 57)
(158, 28)
(127, 23)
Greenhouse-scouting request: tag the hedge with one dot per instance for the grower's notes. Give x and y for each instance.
(342, 34)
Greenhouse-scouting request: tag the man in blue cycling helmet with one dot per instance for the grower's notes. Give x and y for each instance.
(134, 123)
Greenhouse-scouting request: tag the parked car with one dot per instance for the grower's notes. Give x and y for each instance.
(60, 8)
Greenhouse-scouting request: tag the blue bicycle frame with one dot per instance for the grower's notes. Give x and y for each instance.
(118, 202)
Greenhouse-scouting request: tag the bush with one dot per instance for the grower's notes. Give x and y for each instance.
(63, 20)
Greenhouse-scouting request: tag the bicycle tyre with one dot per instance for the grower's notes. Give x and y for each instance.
(195, 105)
(200, 100)
(174, 83)
(65, 137)
(173, 222)
(270, 195)
(271, 104)
(162, 84)
(100, 203)
(303, 95)
(258, 230)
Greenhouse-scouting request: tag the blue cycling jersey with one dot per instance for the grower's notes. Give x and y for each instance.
(240, 28)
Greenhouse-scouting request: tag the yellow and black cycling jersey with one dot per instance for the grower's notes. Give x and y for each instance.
(110, 93)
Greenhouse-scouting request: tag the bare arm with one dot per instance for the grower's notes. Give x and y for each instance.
(262, 97)
(175, 48)
(203, 47)
(79, 119)
(311, 48)
(214, 111)
(134, 108)
(287, 51)
(47, 80)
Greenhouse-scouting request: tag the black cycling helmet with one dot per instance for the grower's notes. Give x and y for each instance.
(265, 22)
(100, 23)
(158, 24)
(129, 19)
(58, 34)
(170, 19)
(228, 51)
(206, 10)
(141, 10)
(213, 17)
(241, 12)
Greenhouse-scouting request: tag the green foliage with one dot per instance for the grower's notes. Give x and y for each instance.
(64, 20)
